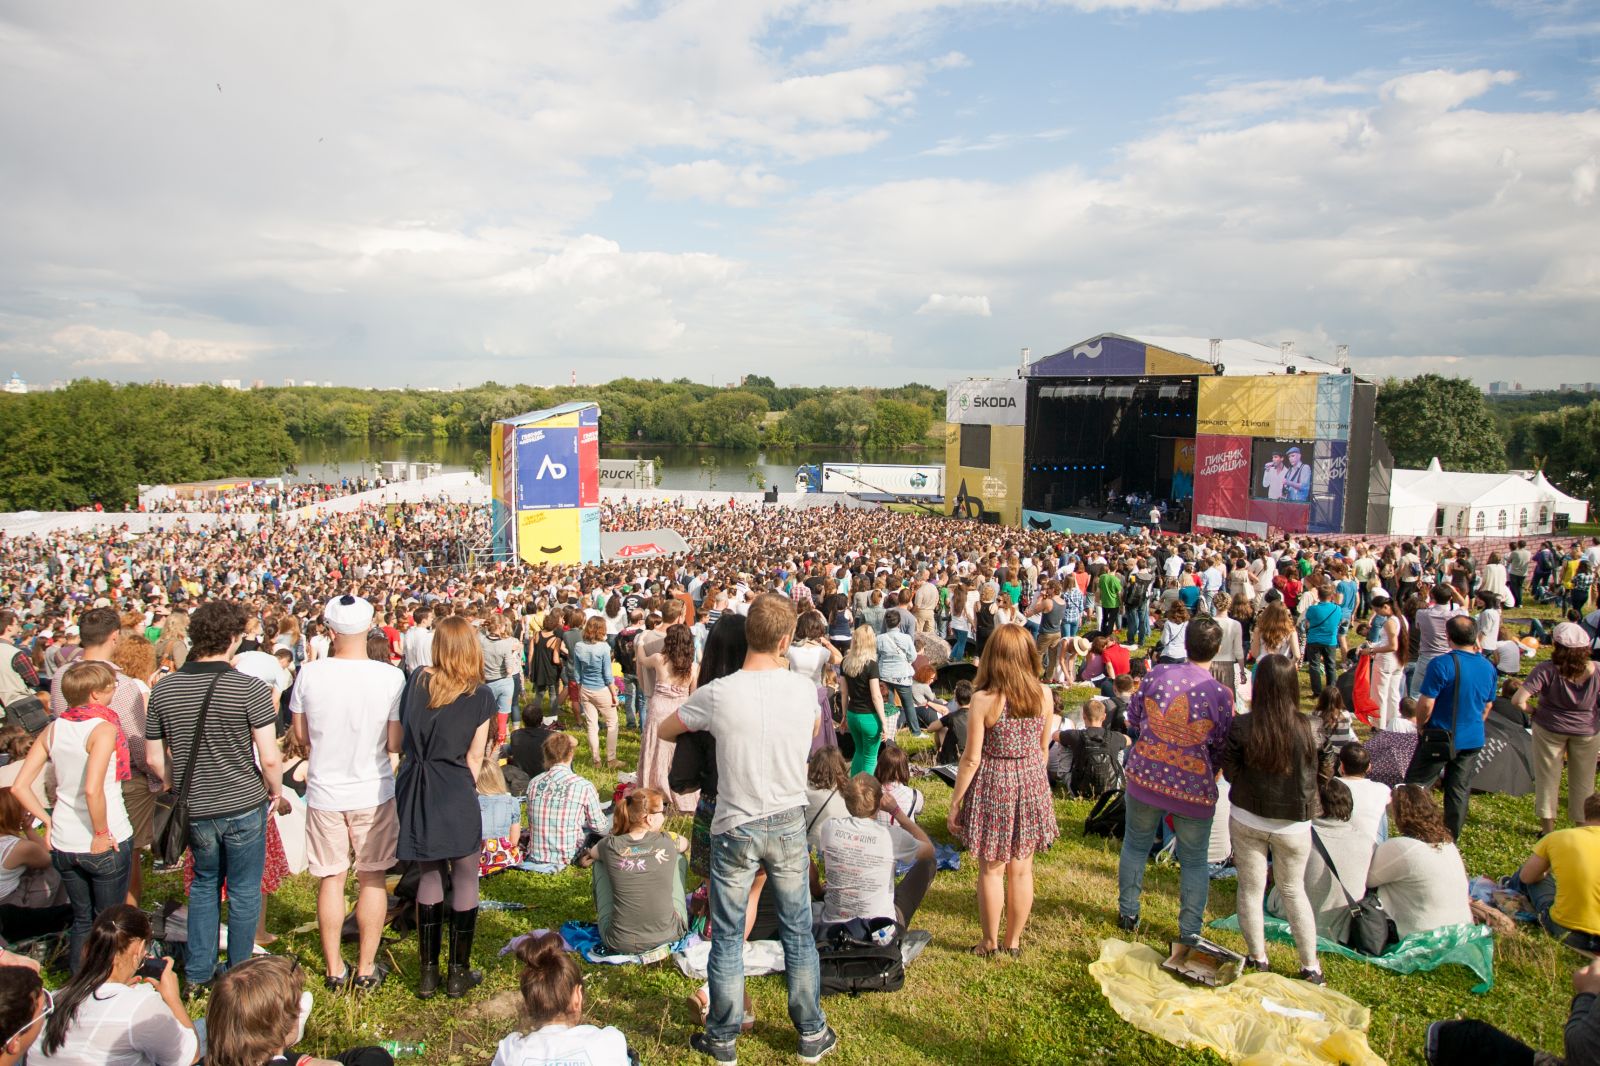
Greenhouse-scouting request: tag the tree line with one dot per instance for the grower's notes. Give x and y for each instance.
(95, 442)
(754, 413)
(1433, 416)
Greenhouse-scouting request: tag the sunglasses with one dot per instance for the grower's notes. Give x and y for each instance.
(49, 1007)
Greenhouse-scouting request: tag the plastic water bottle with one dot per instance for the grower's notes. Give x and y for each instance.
(404, 1049)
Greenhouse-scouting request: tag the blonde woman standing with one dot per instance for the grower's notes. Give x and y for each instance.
(863, 700)
(446, 720)
(1002, 806)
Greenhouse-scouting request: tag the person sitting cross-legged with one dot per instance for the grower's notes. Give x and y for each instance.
(1562, 880)
(858, 853)
(564, 815)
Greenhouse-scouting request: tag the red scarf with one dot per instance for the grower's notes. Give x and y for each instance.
(99, 711)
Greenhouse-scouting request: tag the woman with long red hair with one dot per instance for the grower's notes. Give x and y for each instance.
(1002, 806)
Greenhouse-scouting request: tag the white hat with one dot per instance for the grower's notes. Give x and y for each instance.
(348, 615)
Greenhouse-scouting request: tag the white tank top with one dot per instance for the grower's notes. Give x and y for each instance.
(70, 827)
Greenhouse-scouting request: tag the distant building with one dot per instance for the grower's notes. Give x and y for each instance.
(232, 383)
(16, 386)
(288, 383)
(1581, 386)
(258, 383)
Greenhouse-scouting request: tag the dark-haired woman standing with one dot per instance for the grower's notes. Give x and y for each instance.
(1271, 762)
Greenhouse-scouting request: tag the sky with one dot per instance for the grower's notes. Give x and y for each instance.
(826, 192)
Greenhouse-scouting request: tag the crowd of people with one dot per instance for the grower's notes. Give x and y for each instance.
(342, 695)
(267, 496)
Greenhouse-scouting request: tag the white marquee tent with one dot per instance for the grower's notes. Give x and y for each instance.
(1439, 502)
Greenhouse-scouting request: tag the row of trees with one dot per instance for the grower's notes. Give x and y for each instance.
(94, 442)
(1430, 415)
(677, 412)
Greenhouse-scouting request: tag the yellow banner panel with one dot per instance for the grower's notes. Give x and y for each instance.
(1274, 406)
(1159, 361)
(550, 536)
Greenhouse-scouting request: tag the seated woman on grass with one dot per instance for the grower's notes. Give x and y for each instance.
(639, 872)
(552, 1004)
(1419, 874)
(858, 853)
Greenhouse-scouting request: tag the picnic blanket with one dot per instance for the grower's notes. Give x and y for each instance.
(1261, 1019)
(584, 938)
(1471, 946)
(766, 956)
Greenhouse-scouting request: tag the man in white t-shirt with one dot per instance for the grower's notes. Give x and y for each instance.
(1370, 799)
(860, 853)
(346, 709)
(763, 718)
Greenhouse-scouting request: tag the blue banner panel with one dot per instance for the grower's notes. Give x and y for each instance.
(1101, 357)
(1328, 479)
(547, 468)
(1334, 392)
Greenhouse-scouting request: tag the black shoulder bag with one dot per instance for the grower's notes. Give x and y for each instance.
(172, 819)
(1439, 745)
(1371, 930)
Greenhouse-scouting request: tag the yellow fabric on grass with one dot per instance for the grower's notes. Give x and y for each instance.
(1238, 1021)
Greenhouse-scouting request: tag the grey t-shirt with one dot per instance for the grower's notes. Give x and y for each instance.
(763, 722)
(641, 873)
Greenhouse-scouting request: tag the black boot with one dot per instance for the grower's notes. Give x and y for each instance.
(430, 934)
(462, 979)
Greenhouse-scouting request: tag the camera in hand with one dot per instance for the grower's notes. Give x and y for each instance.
(152, 967)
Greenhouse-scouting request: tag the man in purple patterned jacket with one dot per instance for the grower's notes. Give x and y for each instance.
(1181, 715)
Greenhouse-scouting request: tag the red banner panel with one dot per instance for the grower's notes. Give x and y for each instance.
(1221, 482)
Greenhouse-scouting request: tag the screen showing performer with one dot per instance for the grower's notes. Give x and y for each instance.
(1282, 470)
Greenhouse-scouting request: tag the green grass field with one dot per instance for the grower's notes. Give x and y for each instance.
(1042, 1008)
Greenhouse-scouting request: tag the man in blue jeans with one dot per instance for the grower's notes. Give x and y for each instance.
(1181, 715)
(763, 719)
(1322, 637)
(1457, 691)
(215, 767)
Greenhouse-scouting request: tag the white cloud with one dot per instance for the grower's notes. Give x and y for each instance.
(993, 142)
(86, 346)
(941, 304)
(717, 182)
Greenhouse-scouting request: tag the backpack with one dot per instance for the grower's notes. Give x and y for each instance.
(850, 963)
(1098, 772)
(627, 652)
(1109, 816)
(1134, 592)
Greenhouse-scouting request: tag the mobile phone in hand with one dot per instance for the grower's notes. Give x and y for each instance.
(152, 967)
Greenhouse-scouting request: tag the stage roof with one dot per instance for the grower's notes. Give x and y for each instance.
(1173, 356)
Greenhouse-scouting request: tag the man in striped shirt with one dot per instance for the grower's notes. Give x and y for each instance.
(229, 798)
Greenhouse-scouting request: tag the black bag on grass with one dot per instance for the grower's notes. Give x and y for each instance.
(853, 960)
(1109, 816)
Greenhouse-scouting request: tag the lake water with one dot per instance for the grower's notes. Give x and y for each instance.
(731, 469)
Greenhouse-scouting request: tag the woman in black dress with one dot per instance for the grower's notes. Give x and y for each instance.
(446, 720)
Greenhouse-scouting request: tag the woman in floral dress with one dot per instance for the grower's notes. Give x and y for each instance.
(1002, 806)
(675, 671)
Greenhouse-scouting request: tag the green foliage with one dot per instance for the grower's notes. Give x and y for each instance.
(1565, 444)
(1433, 416)
(96, 442)
(676, 412)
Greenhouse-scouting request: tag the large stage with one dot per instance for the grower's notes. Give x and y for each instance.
(1245, 439)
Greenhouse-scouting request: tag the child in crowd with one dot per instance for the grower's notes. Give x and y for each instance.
(1335, 726)
(258, 1013)
(894, 774)
(552, 1003)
